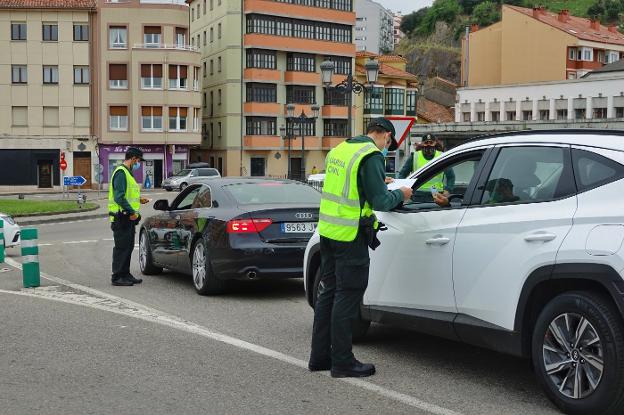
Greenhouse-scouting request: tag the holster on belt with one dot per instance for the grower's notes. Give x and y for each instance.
(367, 227)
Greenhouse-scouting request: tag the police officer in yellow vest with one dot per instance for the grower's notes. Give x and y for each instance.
(427, 151)
(124, 202)
(354, 186)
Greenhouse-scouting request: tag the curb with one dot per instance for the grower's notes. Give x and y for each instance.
(63, 219)
(34, 215)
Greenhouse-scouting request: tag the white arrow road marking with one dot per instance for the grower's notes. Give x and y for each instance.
(100, 300)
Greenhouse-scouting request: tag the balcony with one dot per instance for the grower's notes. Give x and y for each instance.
(299, 11)
(331, 142)
(253, 74)
(291, 44)
(265, 142)
(333, 111)
(302, 78)
(187, 48)
(262, 108)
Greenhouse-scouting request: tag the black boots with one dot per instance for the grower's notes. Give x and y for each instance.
(356, 369)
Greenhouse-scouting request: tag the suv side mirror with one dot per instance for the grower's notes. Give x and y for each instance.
(161, 204)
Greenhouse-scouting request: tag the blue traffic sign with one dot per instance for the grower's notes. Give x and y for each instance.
(74, 180)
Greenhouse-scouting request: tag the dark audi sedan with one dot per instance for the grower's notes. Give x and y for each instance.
(231, 228)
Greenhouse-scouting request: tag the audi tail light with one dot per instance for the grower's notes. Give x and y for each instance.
(248, 225)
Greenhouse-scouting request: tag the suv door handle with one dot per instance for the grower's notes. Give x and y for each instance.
(437, 240)
(540, 237)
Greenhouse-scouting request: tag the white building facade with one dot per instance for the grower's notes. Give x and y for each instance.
(374, 27)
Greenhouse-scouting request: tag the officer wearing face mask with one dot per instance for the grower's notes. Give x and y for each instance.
(124, 202)
(426, 151)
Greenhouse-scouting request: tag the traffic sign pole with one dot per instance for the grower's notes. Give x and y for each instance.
(30, 258)
(1, 241)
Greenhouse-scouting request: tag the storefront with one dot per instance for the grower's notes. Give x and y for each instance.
(161, 161)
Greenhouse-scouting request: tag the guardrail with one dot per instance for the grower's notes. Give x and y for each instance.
(189, 48)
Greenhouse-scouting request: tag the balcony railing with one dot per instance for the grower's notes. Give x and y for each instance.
(174, 2)
(189, 48)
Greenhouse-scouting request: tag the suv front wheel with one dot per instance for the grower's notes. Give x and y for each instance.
(578, 354)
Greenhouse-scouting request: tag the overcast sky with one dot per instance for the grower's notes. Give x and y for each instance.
(405, 6)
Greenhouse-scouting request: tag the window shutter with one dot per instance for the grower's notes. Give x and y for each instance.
(173, 111)
(183, 112)
(117, 72)
(145, 71)
(123, 111)
(157, 111)
(173, 71)
(152, 30)
(146, 111)
(183, 71)
(157, 71)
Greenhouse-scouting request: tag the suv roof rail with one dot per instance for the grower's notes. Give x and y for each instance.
(549, 132)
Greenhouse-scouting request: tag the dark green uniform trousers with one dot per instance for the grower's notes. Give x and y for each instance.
(123, 234)
(344, 278)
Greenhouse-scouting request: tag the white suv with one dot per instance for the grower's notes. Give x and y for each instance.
(526, 260)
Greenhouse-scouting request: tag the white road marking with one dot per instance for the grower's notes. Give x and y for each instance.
(107, 302)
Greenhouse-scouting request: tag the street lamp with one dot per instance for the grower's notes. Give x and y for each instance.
(285, 136)
(301, 119)
(349, 85)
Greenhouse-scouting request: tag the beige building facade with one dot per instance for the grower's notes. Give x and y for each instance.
(148, 90)
(45, 83)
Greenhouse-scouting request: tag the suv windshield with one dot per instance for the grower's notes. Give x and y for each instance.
(275, 193)
(181, 173)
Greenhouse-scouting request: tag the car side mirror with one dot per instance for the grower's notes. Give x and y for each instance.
(215, 203)
(161, 204)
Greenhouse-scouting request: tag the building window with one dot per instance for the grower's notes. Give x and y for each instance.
(205, 72)
(177, 118)
(151, 76)
(50, 75)
(612, 56)
(205, 37)
(18, 31)
(81, 75)
(50, 32)
(342, 64)
(219, 129)
(601, 56)
(211, 103)
(394, 101)
(335, 97)
(344, 5)
(180, 39)
(410, 102)
(178, 77)
(151, 119)
(495, 116)
(295, 127)
(205, 100)
(260, 125)
(219, 97)
(297, 94)
(118, 37)
(527, 115)
(300, 62)
(511, 115)
(466, 116)
(261, 59)
(211, 4)
(81, 32)
(211, 35)
(20, 116)
(50, 116)
(562, 114)
(219, 64)
(481, 116)
(259, 92)
(118, 76)
(118, 118)
(619, 112)
(82, 116)
(572, 54)
(544, 115)
(579, 113)
(304, 29)
(19, 74)
(600, 113)
(151, 36)
(587, 54)
(335, 128)
(373, 100)
(211, 67)
(196, 119)
(219, 31)
(257, 166)
(196, 78)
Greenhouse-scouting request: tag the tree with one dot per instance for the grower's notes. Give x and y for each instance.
(441, 10)
(412, 20)
(486, 14)
(469, 5)
(596, 10)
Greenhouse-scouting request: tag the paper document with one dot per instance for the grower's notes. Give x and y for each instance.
(398, 183)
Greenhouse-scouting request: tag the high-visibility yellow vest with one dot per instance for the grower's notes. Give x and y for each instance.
(419, 161)
(341, 208)
(133, 193)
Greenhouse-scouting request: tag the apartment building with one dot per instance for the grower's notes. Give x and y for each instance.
(149, 79)
(374, 27)
(257, 57)
(533, 45)
(397, 33)
(45, 77)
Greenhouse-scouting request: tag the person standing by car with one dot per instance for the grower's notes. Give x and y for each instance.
(354, 186)
(426, 151)
(124, 202)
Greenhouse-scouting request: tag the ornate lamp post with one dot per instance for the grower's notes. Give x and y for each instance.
(349, 85)
(301, 119)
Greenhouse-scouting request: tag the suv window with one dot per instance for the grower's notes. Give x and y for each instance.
(529, 174)
(208, 172)
(592, 170)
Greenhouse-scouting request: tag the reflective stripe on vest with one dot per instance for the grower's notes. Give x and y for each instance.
(341, 210)
(133, 193)
(419, 161)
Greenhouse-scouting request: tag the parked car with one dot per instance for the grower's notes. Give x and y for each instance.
(527, 260)
(183, 178)
(11, 231)
(231, 228)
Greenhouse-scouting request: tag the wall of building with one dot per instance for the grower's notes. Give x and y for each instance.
(484, 56)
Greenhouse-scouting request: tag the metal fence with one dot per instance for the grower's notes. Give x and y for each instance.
(312, 183)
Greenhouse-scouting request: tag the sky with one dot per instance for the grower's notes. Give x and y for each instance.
(404, 6)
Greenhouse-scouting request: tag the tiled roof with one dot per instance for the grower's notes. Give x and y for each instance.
(433, 112)
(391, 58)
(365, 54)
(617, 66)
(48, 4)
(389, 71)
(446, 81)
(578, 27)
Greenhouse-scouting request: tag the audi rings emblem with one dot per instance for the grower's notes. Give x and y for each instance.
(303, 215)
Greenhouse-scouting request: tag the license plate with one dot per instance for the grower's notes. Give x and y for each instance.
(298, 227)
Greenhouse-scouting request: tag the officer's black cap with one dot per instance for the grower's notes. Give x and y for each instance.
(134, 152)
(388, 126)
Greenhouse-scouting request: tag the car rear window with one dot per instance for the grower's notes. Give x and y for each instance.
(208, 172)
(273, 193)
(593, 170)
